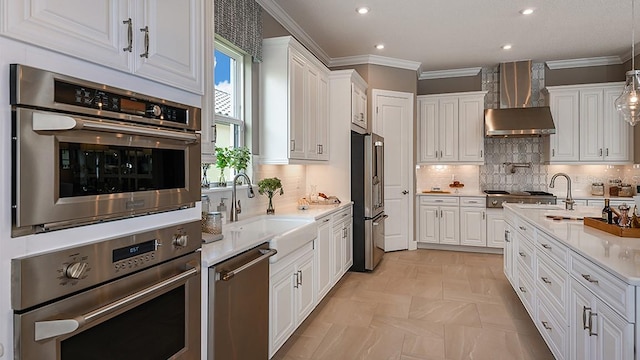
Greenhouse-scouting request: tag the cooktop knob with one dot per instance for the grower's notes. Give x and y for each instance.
(76, 270)
(180, 240)
(154, 110)
(494, 202)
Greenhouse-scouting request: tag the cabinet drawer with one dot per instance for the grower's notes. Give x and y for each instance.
(553, 248)
(527, 292)
(526, 229)
(553, 282)
(341, 215)
(524, 254)
(439, 200)
(553, 330)
(480, 202)
(613, 291)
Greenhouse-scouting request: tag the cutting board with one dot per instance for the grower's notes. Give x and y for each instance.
(436, 192)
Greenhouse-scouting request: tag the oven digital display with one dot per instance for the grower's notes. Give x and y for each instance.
(134, 250)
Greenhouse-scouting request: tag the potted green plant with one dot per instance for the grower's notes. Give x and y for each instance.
(223, 156)
(269, 186)
(239, 159)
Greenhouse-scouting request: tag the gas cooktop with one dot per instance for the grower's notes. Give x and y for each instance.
(495, 198)
(518, 193)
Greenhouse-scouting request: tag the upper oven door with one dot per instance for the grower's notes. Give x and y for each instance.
(152, 314)
(70, 170)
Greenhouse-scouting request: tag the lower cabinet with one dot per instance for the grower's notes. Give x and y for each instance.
(582, 311)
(439, 220)
(324, 252)
(495, 228)
(473, 222)
(292, 295)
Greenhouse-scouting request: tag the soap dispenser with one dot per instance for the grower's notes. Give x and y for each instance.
(222, 208)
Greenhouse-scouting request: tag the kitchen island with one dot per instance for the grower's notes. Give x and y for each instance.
(578, 284)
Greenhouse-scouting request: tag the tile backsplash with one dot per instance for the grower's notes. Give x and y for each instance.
(514, 164)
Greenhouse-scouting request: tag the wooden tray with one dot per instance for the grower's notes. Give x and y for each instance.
(611, 229)
(436, 192)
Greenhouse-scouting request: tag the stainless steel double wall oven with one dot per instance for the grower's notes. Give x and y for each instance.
(85, 152)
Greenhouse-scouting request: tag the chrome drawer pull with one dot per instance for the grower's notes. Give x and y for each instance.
(545, 280)
(522, 254)
(523, 289)
(546, 325)
(546, 246)
(522, 228)
(589, 279)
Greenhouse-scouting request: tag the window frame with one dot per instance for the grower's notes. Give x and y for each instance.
(238, 79)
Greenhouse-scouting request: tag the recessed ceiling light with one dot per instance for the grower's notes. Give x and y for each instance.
(362, 10)
(528, 11)
(380, 46)
(506, 47)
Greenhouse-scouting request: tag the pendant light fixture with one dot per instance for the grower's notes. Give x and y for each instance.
(628, 104)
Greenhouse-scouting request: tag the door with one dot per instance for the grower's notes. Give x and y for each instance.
(393, 120)
(565, 144)
(428, 222)
(449, 225)
(495, 228)
(297, 69)
(618, 134)
(324, 252)
(591, 125)
(473, 223)
(428, 130)
(448, 129)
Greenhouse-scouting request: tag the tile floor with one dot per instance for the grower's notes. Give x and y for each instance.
(424, 304)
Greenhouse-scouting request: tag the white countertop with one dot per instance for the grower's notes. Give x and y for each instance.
(230, 245)
(618, 255)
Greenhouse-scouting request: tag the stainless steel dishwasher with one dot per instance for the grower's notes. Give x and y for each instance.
(239, 300)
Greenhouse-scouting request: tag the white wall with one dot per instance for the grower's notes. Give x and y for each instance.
(16, 52)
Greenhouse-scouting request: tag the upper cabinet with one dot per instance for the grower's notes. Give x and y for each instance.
(451, 128)
(359, 104)
(588, 127)
(294, 104)
(157, 40)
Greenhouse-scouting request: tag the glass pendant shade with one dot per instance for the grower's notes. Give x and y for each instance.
(628, 104)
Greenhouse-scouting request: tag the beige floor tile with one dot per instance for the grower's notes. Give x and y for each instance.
(445, 312)
(414, 327)
(499, 317)
(347, 312)
(428, 287)
(342, 342)
(421, 347)
(534, 347)
(462, 343)
(393, 310)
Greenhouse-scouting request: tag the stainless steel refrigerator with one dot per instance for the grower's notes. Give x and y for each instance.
(367, 194)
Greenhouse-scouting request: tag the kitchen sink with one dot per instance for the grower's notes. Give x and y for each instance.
(540, 206)
(284, 233)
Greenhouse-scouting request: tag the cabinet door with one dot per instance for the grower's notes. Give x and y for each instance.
(347, 250)
(297, 69)
(311, 112)
(591, 125)
(322, 129)
(324, 257)
(90, 30)
(428, 113)
(358, 106)
(508, 257)
(471, 126)
(615, 336)
(581, 306)
(473, 226)
(428, 224)
(282, 317)
(170, 34)
(449, 225)
(565, 143)
(338, 236)
(448, 129)
(618, 134)
(305, 299)
(495, 228)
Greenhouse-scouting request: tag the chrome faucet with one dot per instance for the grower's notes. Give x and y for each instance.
(568, 202)
(235, 207)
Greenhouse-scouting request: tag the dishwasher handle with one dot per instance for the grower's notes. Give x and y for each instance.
(228, 275)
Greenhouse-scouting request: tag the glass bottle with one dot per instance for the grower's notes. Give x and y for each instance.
(606, 212)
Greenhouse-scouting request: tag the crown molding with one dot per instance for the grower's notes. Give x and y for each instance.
(441, 74)
(288, 23)
(584, 62)
(375, 60)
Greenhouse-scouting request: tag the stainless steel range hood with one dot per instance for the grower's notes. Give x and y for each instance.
(516, 117)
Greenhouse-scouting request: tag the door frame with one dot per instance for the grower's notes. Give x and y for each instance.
(412, 244)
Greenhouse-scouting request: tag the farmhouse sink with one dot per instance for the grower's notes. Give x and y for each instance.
(284, 233)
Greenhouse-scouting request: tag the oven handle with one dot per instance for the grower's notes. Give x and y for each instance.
(52, 122)
(52, 328)
(228, 275)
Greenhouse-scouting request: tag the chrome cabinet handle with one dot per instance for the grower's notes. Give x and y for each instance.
(300, 277)
(405, 192)
(293, 145)
(483, 215)
(607, 151)
(441, 213)
(546, 325)
(600, 152)
(546, 246)
(522, 228)
(522, 254)
(481, 153)
(545, 280)
(584, 317)
(129, 23)
(53, 328)
(591, 332)
(553, 152)
(214, 133)
(438, 201)
(145, 54)
(326, 220)
(506, 235)
(228, 275)
(522, 289)
(589, 278)
(297, 284)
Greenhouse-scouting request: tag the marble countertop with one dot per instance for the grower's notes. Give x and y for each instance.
(229, 246)
(618, 255)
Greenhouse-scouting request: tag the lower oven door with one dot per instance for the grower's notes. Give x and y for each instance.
(89, 169)
(152, 314)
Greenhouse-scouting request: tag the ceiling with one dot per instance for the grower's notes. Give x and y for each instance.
(456, 34)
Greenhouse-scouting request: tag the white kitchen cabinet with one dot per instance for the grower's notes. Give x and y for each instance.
(292, 292)
(324, 256)
(347, 246)
(598, 332)
(451, 128)
(588, 128)
(439, 220)
(495, 228)
(359, 104)
(157, 40)
(508, 256)
(294, 104)
(473, 221)
(342, 242)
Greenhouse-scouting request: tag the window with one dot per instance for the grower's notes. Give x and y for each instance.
(229, 75)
